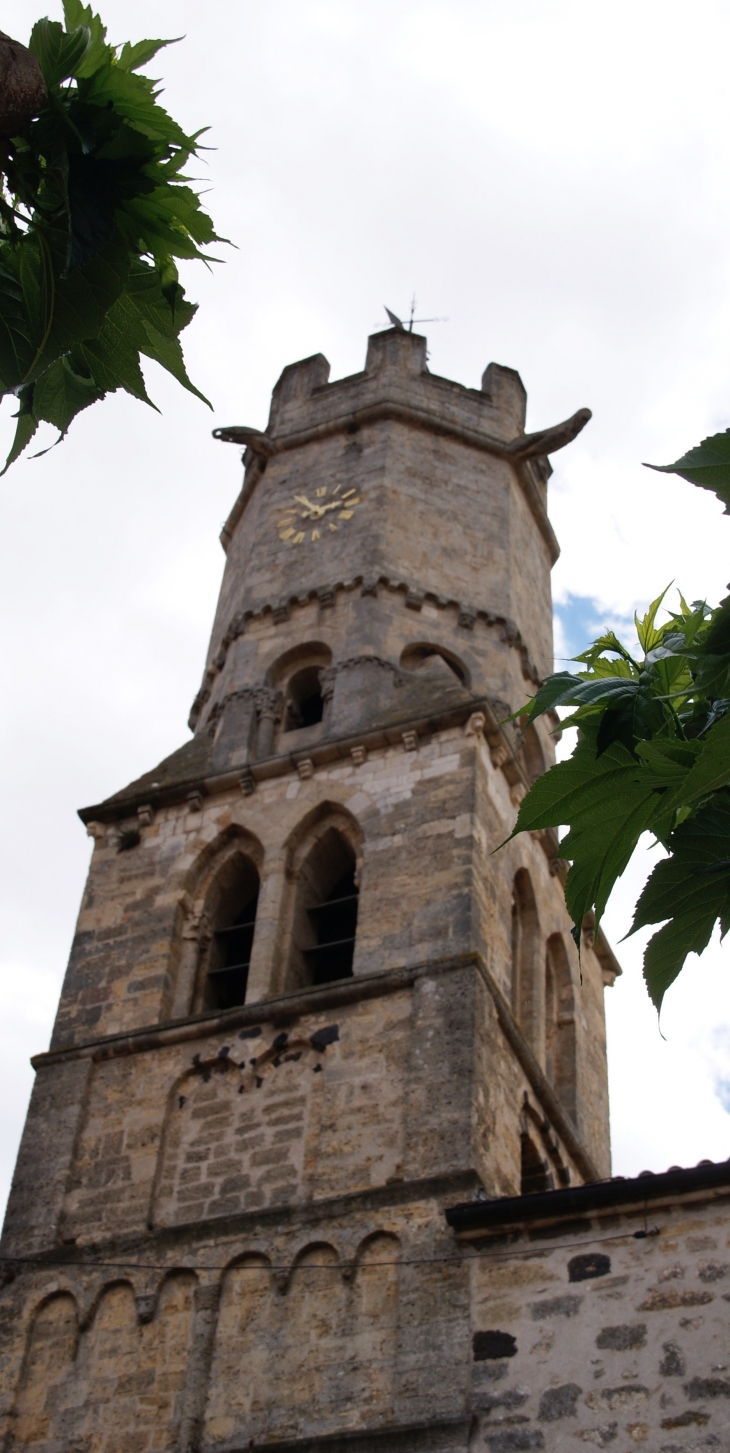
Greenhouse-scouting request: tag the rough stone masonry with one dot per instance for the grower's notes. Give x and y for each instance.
(318, 1157)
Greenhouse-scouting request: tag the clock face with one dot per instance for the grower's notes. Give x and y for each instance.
(315, 513)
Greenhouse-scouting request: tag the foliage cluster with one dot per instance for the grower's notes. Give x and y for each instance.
(95, 211)
(652, 755)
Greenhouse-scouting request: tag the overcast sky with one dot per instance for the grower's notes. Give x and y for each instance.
(553, 178)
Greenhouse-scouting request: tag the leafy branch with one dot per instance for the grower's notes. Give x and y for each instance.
(96, 210)
(652, 754)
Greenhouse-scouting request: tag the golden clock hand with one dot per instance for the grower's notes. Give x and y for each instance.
(314, 510)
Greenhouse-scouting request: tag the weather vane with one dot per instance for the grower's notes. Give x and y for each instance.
(408, 328)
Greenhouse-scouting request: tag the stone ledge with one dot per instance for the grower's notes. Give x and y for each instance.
(161, 1240)
(467, 615)
(366, 986)
(437, 1436)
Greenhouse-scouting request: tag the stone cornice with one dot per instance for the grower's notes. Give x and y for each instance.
(415, 597)
(287, 1007)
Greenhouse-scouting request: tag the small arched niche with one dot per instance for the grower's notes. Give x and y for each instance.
(423, 655)
(230, 907)
(560, 1065)
(297, 675)
(324, 922)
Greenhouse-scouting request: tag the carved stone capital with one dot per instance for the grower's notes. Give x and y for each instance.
(198, 928)
(268, 703)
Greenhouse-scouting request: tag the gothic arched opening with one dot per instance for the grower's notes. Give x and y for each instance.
(534, 1171)
(232, 911)
(526, 955)
(325, 917)
(560, 1066)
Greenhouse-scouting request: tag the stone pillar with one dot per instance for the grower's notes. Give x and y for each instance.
(196, 936)
(268, 712)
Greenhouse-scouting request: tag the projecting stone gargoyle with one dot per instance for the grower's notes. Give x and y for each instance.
(546, 441)
(253, 439)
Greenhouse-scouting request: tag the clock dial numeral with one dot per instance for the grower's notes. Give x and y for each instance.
(320, 506)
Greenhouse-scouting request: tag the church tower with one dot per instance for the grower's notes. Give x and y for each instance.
(308, 1007)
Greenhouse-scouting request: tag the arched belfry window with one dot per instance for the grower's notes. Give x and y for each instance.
(297, 676)
(560, 1067)
(232, 917)
(527, 971)
(325, 914)
(304, 700)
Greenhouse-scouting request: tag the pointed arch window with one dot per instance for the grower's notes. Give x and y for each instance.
(325, 919)
(526, 955)
(233, 922)
(560, 1063)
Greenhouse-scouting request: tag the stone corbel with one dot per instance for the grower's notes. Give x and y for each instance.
(475, 725)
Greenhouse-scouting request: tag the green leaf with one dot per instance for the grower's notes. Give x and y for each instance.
(690, 889)
(113, 358)
(130, 96)
(609, 641)
(607, 805)
(668, 760)
(710, 771)
(648, 635)
(168, 353)
(81, 303)
(16, 344)
(75, 14)
(24, 429)
(131, 57)
(708, 465)
(58, 52)
(61, 393)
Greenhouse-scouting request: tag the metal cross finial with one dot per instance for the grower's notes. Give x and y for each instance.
(402, 327)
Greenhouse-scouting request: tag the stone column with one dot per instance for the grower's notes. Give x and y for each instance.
(327, 678)
(268, 712)
(196, 936)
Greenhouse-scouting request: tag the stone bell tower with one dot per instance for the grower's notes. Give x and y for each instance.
(306, 1006)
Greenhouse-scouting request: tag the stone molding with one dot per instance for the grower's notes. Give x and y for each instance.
(415, 598)
(323, 999)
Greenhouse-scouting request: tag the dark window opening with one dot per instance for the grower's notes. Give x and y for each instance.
(304, 703)
(229, 956)
(535, 1174)
(334, 922)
